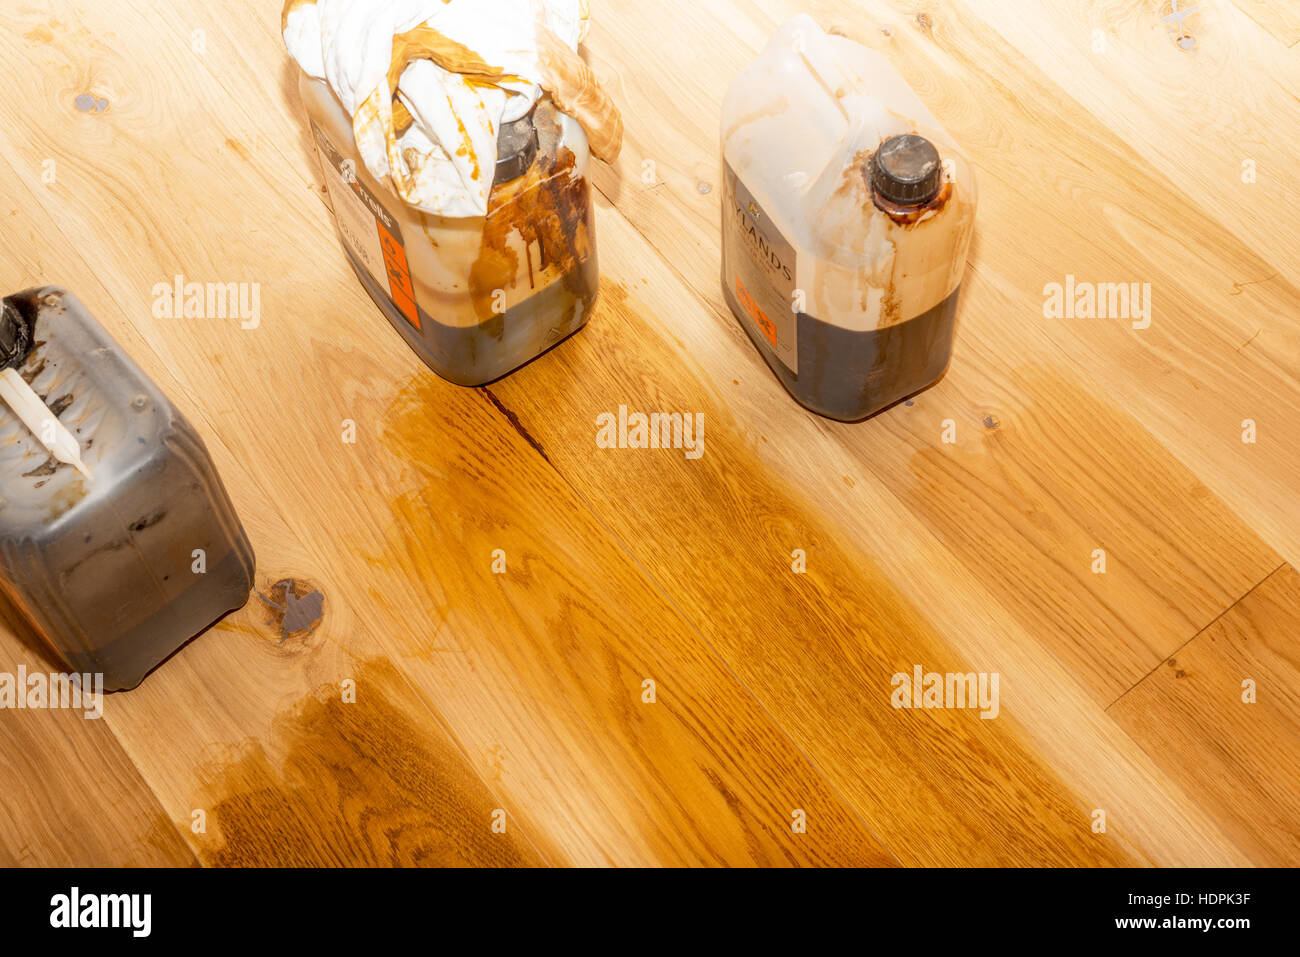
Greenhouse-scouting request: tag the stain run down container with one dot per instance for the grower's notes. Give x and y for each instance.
(115, 572)
(475, 297)
(846, 218)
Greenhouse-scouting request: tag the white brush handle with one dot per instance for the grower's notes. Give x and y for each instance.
(27, 405)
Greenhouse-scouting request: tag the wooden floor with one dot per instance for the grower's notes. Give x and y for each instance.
(503, 718)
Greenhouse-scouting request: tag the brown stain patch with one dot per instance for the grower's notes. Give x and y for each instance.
(48, 467)
(32, 368)
(681, 819)
(60, 405)
(423, 42)
(949, 761)
(910, 216)
(148, 521)
(370, 783)
(67, 497)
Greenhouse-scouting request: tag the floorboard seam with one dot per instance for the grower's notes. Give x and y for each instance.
(1198, 634)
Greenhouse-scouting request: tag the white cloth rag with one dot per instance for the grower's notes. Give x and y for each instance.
(445, 160)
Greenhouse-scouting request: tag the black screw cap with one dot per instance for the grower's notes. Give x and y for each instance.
(906, 170)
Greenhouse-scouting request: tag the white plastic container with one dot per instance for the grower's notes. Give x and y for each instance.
(844, 239)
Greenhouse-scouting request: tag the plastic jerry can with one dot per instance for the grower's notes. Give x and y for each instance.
(116, 571)
(846, 218)
(475, 297)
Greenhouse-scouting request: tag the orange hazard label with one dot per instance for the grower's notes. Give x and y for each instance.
(759, 262)
(369, 231)
(399, 275)
(766, 325)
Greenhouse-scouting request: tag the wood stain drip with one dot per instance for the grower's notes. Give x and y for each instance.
(548, 207)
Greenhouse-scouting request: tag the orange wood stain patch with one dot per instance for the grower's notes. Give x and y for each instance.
(578, 627)
(818, 650)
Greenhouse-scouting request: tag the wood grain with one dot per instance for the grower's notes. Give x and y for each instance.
(1192, 714)
(176, 146)
(1277, 19)
(72, 796)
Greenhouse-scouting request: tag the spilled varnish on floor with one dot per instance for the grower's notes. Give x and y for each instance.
(364, 783)
(553, 676)
(834, 635)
